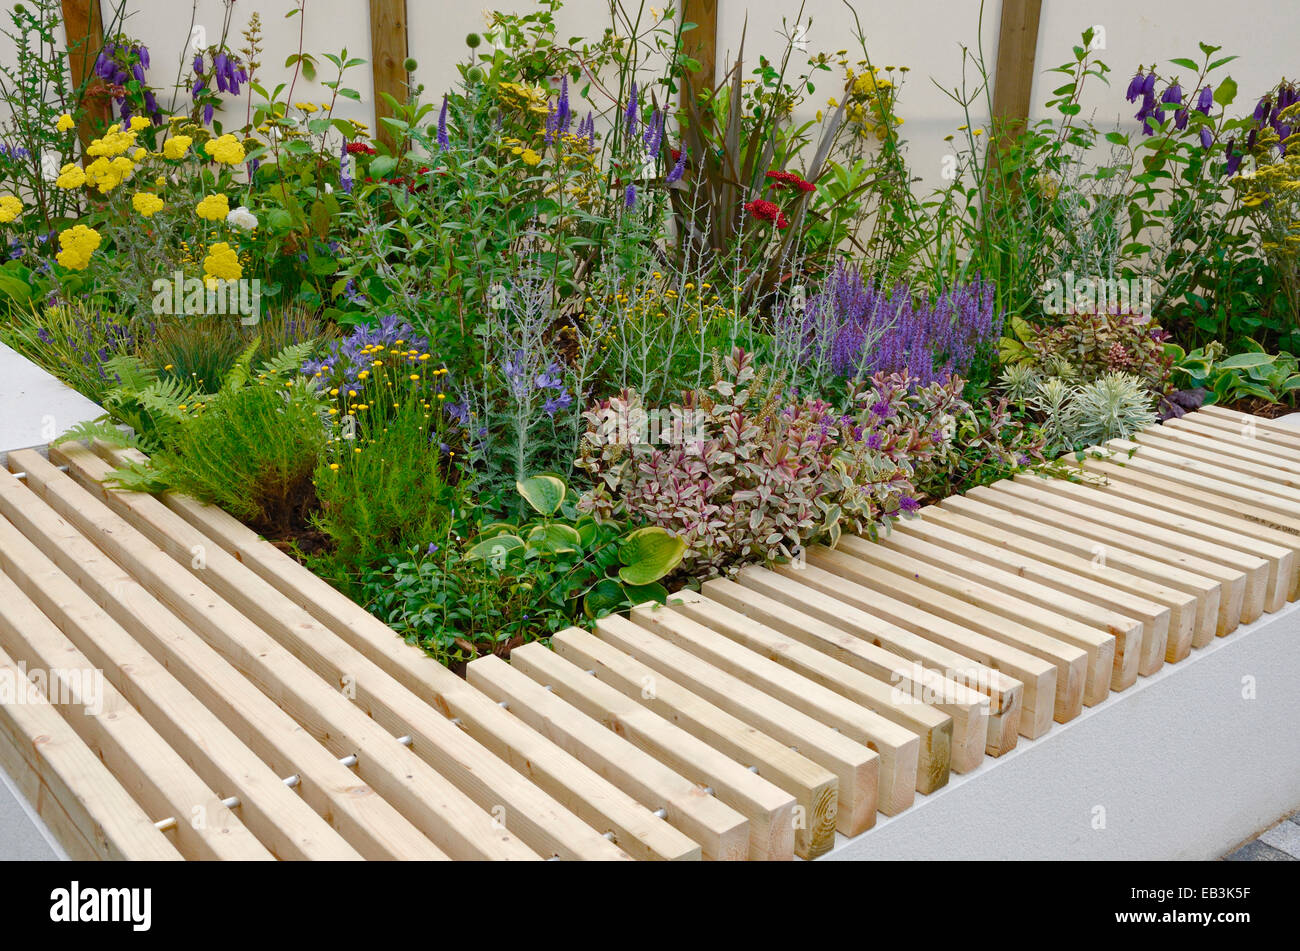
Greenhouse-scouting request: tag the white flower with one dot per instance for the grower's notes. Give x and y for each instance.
(242, 218)
(329, 189)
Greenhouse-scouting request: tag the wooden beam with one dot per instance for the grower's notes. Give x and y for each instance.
(83, 24)
(1014, 80)
(701, 43)
(388, 53)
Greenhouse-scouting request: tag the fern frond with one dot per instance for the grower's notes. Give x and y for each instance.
(242, 370)
(102, 429)
(288, 361)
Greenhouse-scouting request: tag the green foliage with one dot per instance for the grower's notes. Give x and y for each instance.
(1250, 374)
(382, 487)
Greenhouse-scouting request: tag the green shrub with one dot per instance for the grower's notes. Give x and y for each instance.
(252, 451)
(381, 485)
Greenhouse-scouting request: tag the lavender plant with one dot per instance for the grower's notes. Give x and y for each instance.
(854, 328)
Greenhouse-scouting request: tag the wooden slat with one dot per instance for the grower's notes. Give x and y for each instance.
(768, 809)
(1192, 612)
(1095, 642)
(158, 779)
(388, 54)
(977, 556)
(1267, 429)
(1269, 493)
(279, 818)
(898, 748)
(531, 814)
(1071, 663)
(1257, 506)
(69, 787)
(1212, 541)
(964, 656)
(1245, 579)
(856, 767)
(933, 728)
(374, 827)
(814, 788)
(908, 681)
(437, 807)
(722, 833)
(1235, 516)
(1284, 441)
(1269, 470)
(1087, 540)
(1230, 443)
(566, 779)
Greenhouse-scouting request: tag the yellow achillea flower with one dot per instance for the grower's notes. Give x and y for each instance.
(140, 122)
(107, 175)
(530, 157)
(10, 208)
(77, 243)
(227, 150)
(222, 263)
(213, 207)
(65, 123)
(306, 107)
(176, 146)
(71, 176)
(146, 204)
(113, 142)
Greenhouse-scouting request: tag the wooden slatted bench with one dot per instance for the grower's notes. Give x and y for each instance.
(207, 697)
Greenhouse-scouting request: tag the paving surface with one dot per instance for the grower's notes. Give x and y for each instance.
(1279, 844)
(34, 406)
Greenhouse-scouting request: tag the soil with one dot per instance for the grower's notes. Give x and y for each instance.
(1258, 407)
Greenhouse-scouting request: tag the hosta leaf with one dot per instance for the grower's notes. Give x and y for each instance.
(545, 493)
(555, 539)
(602, 598)
(494, 549)
(648, 554)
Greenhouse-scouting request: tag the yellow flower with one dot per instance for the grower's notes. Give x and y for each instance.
(530, 157)
(10, 208)
(177, 146)
(227, 150)
(222, 263)
(139, 122)
(77, 243)
(306, 107)
(146, 204)
(213, 207)
(113, 142)
(107, 175)
(65, 123)
(71, 176)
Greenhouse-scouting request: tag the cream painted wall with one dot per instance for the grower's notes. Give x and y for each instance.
(925, 35)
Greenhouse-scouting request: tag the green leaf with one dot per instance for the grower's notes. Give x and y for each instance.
(648, 554)
(1185, 63)
(1226, 92)
(602, 598)
(643, 593)
(1245, 361)
(545, 493)
(554, 538)
(494, 548)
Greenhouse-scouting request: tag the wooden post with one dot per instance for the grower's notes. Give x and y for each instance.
(83, 24)
(388, 53)
(1014, 81)
(701, 43)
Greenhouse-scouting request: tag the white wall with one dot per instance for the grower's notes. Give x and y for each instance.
(925, 35)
